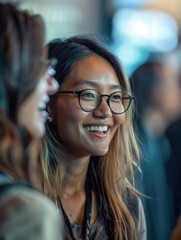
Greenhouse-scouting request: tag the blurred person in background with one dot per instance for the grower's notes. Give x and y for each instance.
(156, 88)
(174, 169)
(25, 82)
(89, 147)
(173, 134)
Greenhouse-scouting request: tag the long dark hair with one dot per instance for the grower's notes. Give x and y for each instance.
(80, 47)
(21, 51)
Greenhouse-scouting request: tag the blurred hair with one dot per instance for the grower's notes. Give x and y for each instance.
(113, 170)
(143, 81)
(21, 52)
(148, 76)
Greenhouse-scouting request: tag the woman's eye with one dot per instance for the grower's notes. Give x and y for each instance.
(88, 96)
(117, 97)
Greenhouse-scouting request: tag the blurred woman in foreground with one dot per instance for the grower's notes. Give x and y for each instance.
(25, 82)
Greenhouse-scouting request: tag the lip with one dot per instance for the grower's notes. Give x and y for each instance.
(43, 114)
(98, 134)
(43, 102)
(46, 99)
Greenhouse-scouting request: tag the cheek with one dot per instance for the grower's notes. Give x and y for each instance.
(119, 119)
(29, 107)
(42, 86)
(28, 115)
(67, 117)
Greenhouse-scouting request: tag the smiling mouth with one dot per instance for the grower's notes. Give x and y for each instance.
(42, 105)
(100, 129)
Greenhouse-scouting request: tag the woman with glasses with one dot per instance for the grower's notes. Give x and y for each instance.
(25, 83)
(89, 149)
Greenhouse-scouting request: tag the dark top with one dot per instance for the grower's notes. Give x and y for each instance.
(98, 229)
(152, 182)
(173, 134)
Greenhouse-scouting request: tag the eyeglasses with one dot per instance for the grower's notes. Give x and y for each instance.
(90, 100)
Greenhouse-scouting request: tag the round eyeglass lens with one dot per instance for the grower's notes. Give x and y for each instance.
(89, 99)
(119, 102)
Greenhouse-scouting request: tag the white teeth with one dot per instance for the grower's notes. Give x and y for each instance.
(42, 105)
(46, 99)
(43, 102)
(97, 128)
(105, 128)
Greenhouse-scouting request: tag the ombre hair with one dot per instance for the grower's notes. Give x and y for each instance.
(21, 52)
(113, 172)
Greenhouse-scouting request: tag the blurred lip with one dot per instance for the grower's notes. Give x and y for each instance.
(42, 107)
(43, 114)
(43, 103)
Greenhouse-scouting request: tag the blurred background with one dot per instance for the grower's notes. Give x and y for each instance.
(132, 28)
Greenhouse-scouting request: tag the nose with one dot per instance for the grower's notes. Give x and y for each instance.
(52, 85)
(103, 111)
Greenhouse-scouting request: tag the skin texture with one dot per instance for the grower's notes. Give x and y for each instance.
(29, 115)
(92, 72)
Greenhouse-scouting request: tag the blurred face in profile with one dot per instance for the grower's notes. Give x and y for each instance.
(32, 113)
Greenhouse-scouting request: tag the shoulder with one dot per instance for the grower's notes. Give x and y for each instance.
(136, 208)
(26, 212)
(177, 231)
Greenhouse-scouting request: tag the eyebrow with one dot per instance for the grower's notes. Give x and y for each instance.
(94, 84)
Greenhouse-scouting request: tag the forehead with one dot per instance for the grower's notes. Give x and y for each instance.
(93, 70)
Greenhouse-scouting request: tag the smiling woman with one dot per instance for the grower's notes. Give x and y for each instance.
(87, 155)
(34, 119)
(25, 83)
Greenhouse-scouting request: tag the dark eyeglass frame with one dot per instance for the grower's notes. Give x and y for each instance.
(78, 93)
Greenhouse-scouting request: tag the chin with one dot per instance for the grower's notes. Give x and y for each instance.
(38, 132)
(100, 152)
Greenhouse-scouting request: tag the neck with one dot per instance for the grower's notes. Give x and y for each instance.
(75, 175)
(73, 195)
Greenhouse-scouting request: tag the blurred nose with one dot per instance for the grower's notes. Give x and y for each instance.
(103, 111)
(52, 85)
